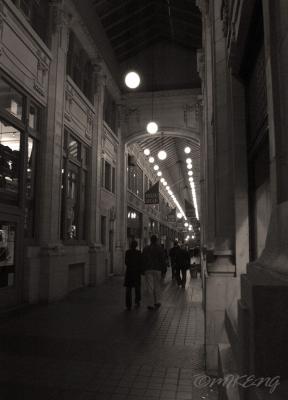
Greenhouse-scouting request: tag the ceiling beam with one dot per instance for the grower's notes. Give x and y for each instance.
(137, 36)
(127, 16)
(97, 3)
(112, 10)
(135, 49)
(129, 28)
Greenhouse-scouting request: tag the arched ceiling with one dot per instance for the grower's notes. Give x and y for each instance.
(133, 25)
(174, 168)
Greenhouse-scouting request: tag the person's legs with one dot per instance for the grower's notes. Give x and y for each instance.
(157, 287)
(183, 280)
(128, 297)
(137, 294)
(149, 278)
(178, 277)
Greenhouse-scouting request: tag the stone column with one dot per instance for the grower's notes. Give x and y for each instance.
(224, 184)
(121, 212)
(53, 142)
(97, 262)
(51, 248)
(239, 153)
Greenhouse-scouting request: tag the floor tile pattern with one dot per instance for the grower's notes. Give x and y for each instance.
(88, 347)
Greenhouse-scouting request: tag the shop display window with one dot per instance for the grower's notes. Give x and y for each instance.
(74, 188)
(10, 139)
(7, 253)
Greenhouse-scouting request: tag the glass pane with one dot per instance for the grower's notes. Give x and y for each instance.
(11, 100)
(9, 159)
(30, 188)
(7, 253)
(74, 149)
(33, 117)
(72, 204)
(107, 176)
(82, 219)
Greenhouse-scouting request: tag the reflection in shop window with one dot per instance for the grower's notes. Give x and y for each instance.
(7, 253)
(30, 188)
(33, 117)
(9, 161)
(11, 100)
(74, 189)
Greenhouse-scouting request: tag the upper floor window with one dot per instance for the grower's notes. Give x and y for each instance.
(110, 111)
(35, 11)
(108, 180)
(79, 66)
(19, 142)
(74, 188)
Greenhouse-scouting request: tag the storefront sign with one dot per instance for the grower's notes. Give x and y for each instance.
(152, 194)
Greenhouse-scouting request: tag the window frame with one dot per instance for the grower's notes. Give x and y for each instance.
(82, 168)
(18, 208)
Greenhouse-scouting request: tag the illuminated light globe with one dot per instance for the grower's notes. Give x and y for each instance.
(188, 161)
(152, 128)
(189, 166)
(190, 173)
(162, 155)
(187, 150)
(179, 215)
(159, 173)
(167, 187)
(147, 152)
(186, 224)
(162, 180)
(151, 160)
(132, 80)
(156, 167)
(165, 183)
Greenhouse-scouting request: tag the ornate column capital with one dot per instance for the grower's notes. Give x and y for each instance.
(60, 22)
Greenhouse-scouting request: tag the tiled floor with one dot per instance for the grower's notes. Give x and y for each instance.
(88, 347)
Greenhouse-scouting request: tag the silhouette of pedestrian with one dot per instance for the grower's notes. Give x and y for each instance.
(153, 264)
(133, 261)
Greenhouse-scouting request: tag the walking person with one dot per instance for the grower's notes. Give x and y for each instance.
(182, 264)
(153, 264)
(133, 261)
(172, 254)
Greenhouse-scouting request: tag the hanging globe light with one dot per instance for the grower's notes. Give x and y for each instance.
(151, 160)
(156, 167)
(187, 150)
(147, 152)
(152, 127)
(162, 155)
(132, 80)
(179, 215)
(162, 180)
(159, 173)
(190, 173)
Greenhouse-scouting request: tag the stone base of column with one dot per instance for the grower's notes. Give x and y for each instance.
(98, 264)
(223, 263)
(263, 324)
(119, 265)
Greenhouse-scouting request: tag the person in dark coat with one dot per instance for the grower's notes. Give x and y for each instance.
(133, 261)
(172, 254)
(153, 264)
(182, 264)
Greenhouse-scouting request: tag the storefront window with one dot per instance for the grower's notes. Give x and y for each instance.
(74, 189)
(11, 100)
(9, 162)
(33, 117)
(7, 253)
(30, 188)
